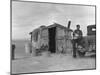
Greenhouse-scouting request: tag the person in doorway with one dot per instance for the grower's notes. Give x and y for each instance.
(77, 37)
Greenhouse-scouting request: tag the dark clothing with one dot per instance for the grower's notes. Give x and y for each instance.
(76, 41)
(13, 52)
(13, 47)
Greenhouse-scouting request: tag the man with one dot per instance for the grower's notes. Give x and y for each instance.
(77, 37)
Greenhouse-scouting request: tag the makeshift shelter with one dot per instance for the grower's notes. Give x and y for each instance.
(55, 38)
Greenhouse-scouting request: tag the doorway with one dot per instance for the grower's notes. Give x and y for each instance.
(52, 41)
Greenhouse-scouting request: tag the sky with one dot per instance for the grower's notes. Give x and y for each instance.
(26, 16)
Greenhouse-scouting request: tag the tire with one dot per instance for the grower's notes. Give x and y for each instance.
(81, 53)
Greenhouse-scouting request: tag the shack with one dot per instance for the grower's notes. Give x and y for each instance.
(55, 38)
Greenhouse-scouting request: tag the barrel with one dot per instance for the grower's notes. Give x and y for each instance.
(28, 48)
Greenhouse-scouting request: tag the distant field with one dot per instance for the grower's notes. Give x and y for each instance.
(20, 48)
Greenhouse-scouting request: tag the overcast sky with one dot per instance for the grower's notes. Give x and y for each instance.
(27, 16)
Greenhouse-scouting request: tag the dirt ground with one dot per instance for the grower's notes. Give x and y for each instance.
(55, 62)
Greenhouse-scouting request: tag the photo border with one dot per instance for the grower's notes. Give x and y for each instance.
(49, 3)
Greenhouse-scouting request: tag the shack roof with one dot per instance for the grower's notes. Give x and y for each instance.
(58, 25)
(50, 26)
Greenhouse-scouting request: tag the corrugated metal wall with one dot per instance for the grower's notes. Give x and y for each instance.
(63, 40)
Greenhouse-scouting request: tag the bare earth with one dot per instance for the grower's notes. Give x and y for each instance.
(55, 62)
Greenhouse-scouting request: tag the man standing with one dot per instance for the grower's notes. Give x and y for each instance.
(77, 37)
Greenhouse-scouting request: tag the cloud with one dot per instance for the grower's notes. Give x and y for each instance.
(27, 16)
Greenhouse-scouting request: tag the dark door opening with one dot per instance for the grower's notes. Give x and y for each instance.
(52, 42)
